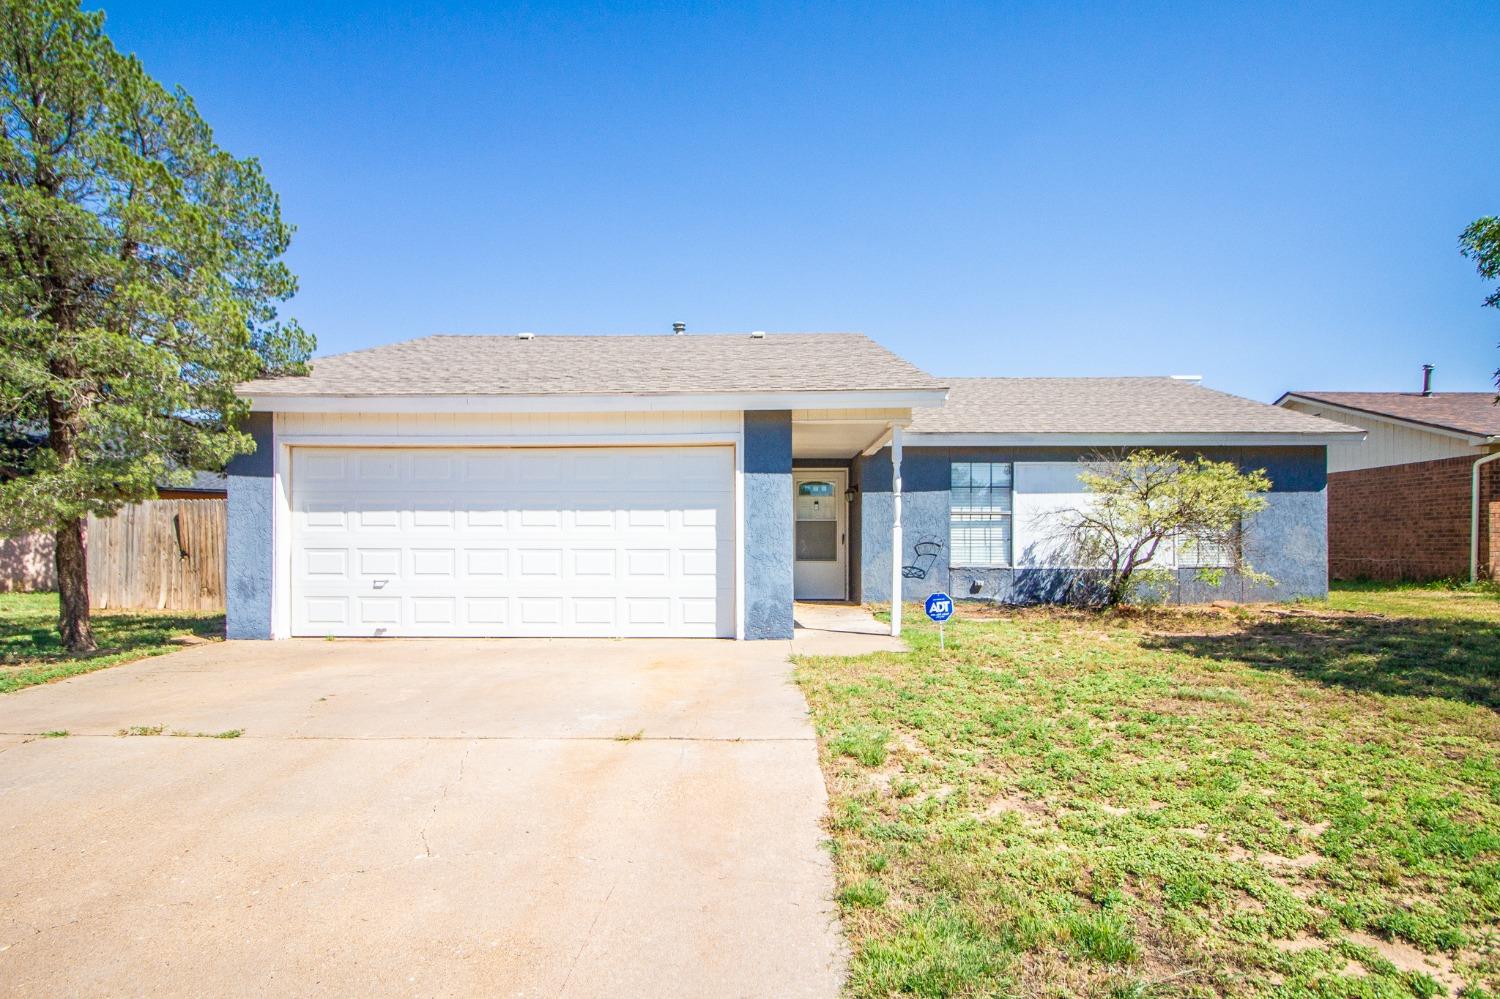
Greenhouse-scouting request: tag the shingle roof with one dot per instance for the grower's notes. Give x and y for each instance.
(204, 482)
(1467, 412)
(1154, 405)
(605, 365)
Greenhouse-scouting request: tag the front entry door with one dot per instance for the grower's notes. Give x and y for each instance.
(821, 529)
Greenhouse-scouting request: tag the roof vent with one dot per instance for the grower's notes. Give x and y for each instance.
(679, 328)
(1427, 379)
(525, 336)
(758, 335)
(1190, 379)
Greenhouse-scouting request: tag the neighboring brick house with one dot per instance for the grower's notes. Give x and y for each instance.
(1401, 504)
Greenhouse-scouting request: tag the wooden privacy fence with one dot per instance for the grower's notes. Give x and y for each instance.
(160, 554)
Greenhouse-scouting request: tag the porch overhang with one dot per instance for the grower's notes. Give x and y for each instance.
(844, 435)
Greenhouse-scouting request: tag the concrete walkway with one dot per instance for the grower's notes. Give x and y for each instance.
(825, 628)
(446, 817)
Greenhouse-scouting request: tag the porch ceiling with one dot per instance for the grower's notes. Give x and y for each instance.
(841, 433)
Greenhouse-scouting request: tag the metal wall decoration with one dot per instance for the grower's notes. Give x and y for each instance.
(925, 555)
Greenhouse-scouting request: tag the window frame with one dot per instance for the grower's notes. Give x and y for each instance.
(1229, 560)
(999, 512)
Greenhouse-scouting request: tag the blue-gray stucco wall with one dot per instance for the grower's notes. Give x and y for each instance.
(768, 524)
(1288, 540)
(250, 551)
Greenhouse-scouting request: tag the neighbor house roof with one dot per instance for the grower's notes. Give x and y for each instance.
(1473, 413)
(1104, 407)
(605, 365)
(201, 482)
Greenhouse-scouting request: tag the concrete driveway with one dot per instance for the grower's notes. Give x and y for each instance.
(448, 817)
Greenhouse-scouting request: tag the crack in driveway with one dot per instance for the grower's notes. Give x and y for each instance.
(442, 797)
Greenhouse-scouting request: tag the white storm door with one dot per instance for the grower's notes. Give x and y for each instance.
(603, 542)
(820, 534)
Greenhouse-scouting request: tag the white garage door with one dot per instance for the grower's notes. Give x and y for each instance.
(513, 541)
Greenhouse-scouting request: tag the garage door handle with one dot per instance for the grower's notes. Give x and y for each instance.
(379, 584)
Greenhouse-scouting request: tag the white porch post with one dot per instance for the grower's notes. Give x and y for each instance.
(896, 546)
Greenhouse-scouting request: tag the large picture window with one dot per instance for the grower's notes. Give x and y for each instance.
(979, 514)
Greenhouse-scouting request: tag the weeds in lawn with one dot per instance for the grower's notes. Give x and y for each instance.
(1214, 802)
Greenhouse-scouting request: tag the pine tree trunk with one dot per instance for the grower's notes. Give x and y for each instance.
(71, 554)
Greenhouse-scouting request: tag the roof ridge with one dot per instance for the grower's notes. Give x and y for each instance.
(374, 347)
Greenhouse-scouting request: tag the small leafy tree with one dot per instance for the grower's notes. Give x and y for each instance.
(1145, 499)
(139, 271)
(1480, 242)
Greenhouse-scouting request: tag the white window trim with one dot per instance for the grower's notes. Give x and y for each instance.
(1008, 517)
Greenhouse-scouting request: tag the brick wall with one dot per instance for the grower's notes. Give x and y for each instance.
(1411, 521)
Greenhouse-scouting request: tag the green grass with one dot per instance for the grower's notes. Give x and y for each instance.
(1287, 801)
(31, 653)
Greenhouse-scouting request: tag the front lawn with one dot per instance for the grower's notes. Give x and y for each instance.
(31, 653)
(1288, 801)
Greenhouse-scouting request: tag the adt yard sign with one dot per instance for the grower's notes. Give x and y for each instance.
(940, 609)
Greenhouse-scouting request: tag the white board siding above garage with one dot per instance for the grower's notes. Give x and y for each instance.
(508, 427)
(497, 541)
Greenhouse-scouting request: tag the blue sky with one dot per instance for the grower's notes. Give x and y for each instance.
(1270, 197)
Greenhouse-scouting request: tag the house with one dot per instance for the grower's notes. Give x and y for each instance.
(692, 485)
(1419, 499)
(203, 485)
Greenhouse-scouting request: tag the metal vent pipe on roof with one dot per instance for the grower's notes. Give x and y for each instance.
(1427, 379)
(679, 328)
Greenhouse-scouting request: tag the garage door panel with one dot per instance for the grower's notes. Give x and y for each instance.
(601, 518)
(586, 541)
(326, 563)
(429, 470)
(327, 611)
(485, 563)
(326, 467)
(385, 518)
(381, 612)
(593, 611)
(433, 563)
(376, 468)
(486, 519)
(432, 519)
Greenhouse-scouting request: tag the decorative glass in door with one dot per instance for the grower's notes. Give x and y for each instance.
(817, 522)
